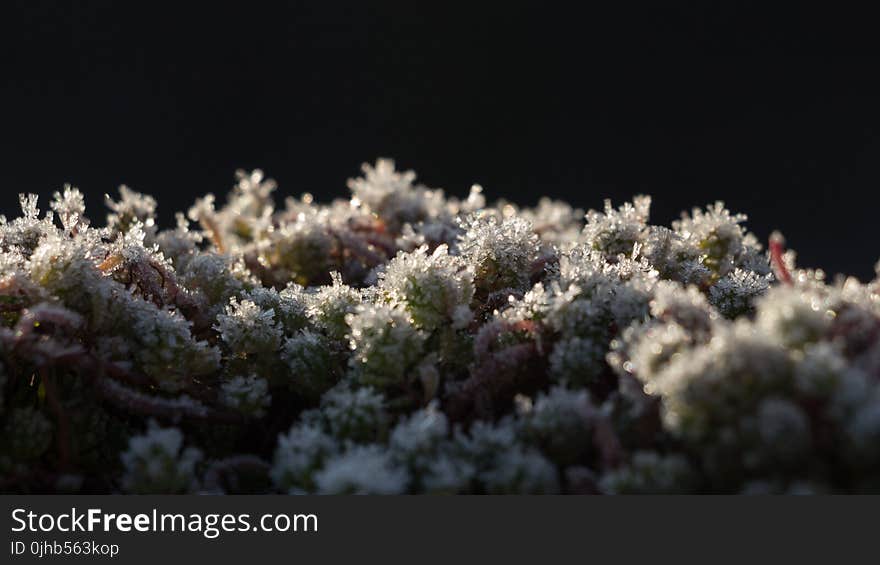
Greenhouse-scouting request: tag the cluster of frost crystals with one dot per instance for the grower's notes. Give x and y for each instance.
(362, 469)
(330, 304)
(354, 414)
(786, 393)
(734, 294)
(131, 209)
(297, 251)
(385, 345)
(392, 196)
(312, 365)
(615, 232)
(560, 422)
(649, 472)
(248, 329)
(299, 455)
(346, 417)
(421, 443)
(584, 303)
(434, 289)
(557, 224)
(249, 395)
(70, 207)
(157, 462)
(213, 277)
(500, 253)
(502, 464)
(407, 341)
(722, 242)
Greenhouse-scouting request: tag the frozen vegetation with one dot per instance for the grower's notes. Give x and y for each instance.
(404, 341)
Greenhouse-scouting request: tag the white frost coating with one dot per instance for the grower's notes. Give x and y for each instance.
(404, 340)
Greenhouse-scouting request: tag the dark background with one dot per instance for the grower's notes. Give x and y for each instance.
(687, 106)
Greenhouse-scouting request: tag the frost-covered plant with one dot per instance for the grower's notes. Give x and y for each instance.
(651, 473)
(385, 343)
(734, 294)
(434, 289)
(329, 305)
(560, 422)
(503, 465)
(247, 329)
(299, 455)
(157, 462)
(131, 209)
(406, 341)
(501, 253)
(362, 469)
(313, 362)
(249, 395)
(392, 196)
(615, 232)
(355, 415)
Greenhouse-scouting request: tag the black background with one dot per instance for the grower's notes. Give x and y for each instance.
(687, 106)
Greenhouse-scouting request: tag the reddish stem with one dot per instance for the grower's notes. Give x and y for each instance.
(777, 259)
